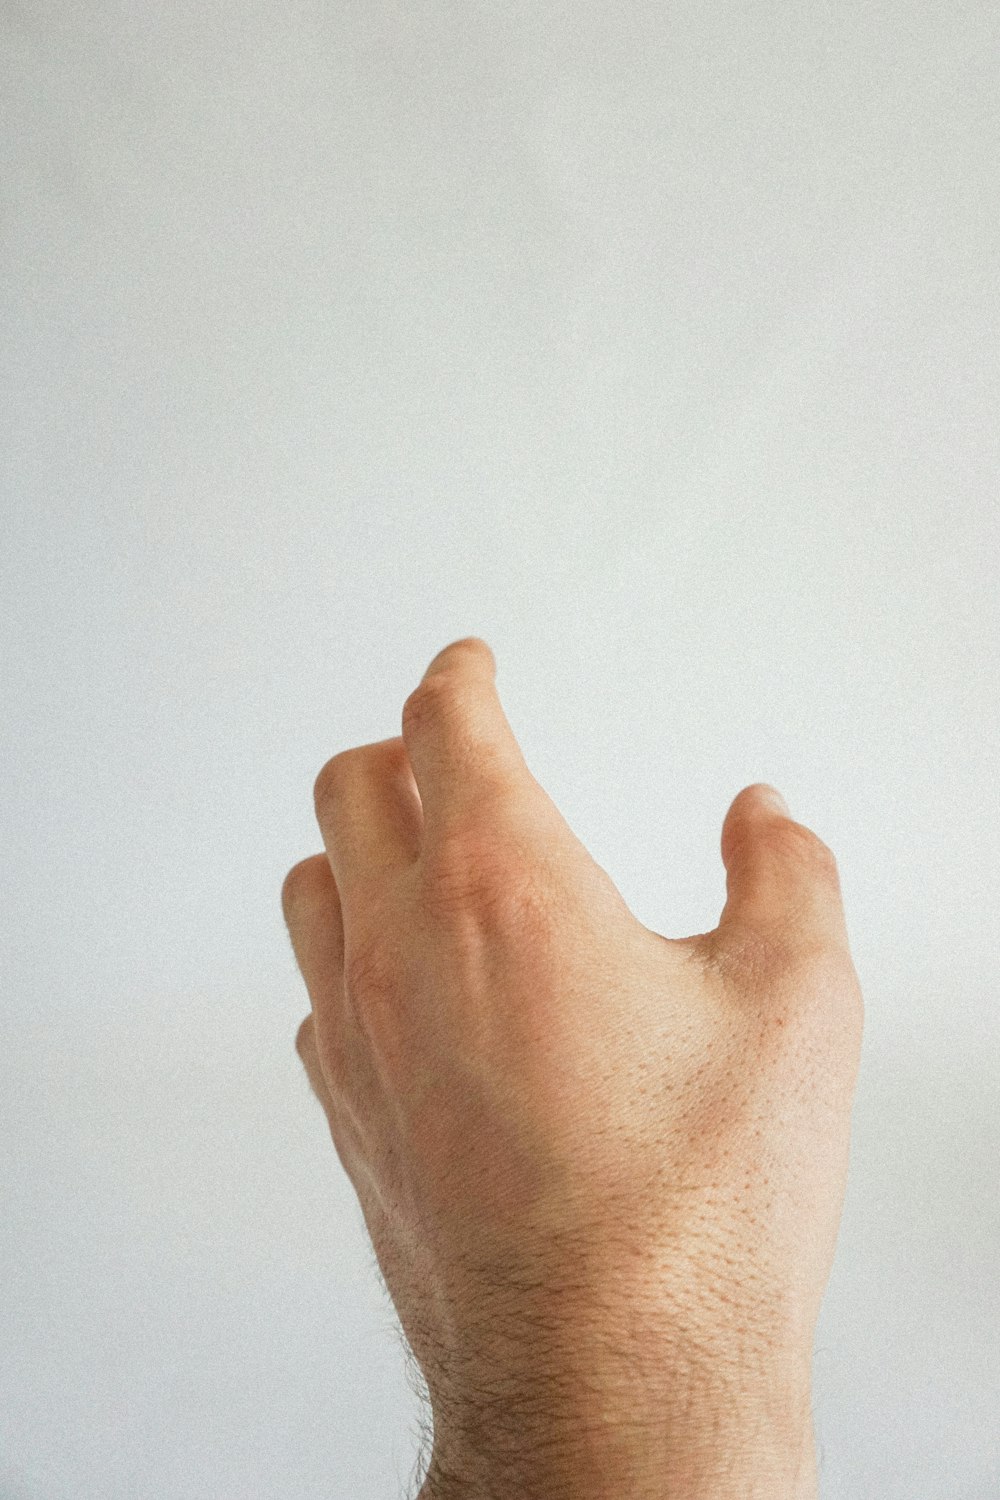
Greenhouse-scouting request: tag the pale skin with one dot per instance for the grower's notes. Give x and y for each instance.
(602, 1169)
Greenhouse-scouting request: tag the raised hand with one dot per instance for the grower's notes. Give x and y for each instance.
(602, 1169)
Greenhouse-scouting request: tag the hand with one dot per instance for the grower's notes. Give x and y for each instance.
(602, 1169)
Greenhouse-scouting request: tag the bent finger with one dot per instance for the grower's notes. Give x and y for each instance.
(463, 751)
(369, 813)
(780, 876)
(310, 903)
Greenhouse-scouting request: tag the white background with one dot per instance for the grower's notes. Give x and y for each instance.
(660, 346)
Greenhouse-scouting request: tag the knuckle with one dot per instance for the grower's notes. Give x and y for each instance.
(814, 1002)
(452, 878)
(304, 1037)
(823, 856)
(330, 781)
(783, 957)
(796, 841)
(818, 986)
(322, 1054)
(300, 882)
(473, 873)
(805, 958)
(369, 972)
(329, 777)
(432, 697)
(453, 891)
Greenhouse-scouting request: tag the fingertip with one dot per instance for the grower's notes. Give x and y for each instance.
(780, 875)
(763, 794)
(758, 799)
(473, 644)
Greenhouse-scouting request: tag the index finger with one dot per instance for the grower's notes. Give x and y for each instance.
(460, 744)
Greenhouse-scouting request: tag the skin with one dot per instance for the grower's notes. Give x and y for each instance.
(602, 1169)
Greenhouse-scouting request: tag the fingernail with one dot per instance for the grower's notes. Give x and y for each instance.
(463, 640)
(773, 798)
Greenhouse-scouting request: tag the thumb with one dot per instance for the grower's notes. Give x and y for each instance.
(781, 879)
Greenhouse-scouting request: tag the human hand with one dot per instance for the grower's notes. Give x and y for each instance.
(602, 1169)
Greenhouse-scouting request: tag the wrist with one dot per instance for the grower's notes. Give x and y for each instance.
(734, 1442)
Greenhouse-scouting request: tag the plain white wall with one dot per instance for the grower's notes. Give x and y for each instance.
(657, 344)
